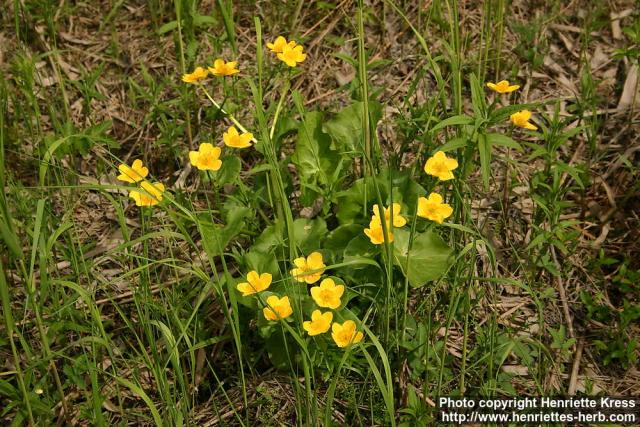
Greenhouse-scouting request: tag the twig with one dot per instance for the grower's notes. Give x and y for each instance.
(573, 381)
(563, 295)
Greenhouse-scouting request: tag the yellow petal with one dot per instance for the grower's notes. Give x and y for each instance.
(315, 293)
(314, 261)
(246, 289)
(336, 328)
(435, 198)
(358, 337)
(451, 163)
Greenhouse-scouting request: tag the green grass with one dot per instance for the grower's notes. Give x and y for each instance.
(115, 314)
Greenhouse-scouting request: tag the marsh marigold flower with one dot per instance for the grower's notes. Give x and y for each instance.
(277, 308)
(432, 208)
(198, 74)
(440, 166)
(222, 69)
(346, 334)
(233, 139)
(502, 86)
(521, 119)
(134, 173)
(375, 233)
(278, 45)
(308, 269)
(398, 220)
(150, 195)
(207, 158)
(292, 55)
(319, 323)
(255, 283)
(328, 294)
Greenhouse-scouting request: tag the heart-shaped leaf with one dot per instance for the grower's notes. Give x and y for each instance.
(427, 260)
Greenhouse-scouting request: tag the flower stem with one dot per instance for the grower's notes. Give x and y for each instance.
(230, 116)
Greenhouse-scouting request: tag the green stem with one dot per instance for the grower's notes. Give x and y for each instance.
(362, 69)
(228, 115)
(8, 318)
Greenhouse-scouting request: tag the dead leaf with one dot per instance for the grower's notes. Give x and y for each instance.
(629, 90)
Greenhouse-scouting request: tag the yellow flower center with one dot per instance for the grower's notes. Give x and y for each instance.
(305, 269)
(431, 209)
(345, 335)
(440, 168)
(326, 295)
(207, 160)
(290, 55)
(147, 200)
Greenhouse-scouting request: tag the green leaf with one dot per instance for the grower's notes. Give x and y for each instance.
(8, 235)
(262, 262)
(462, 119)
(346, 129)
(277, 346)
(340, 237)
(358, 264)
(285, 126)
(574, 172)
(226, 10)
(169, 26)
(502, 114)
(478, 99)
(139, 392)
(406, 191)
(204, 21)
(214, 237)
(428, 259)
(229, 171)
(452, 144)
(354, 204)
(309, 233)
(360, 247)
(314, 160)
(484, 148)
(270, 239)
(505, 141)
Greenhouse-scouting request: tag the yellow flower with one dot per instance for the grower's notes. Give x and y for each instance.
(198, 74)
(440, 166)
(328, 294)
(152, 194)
(233, 139)
(502, 86)
(346, 334)
(292, 54)
(433, 208)
(521, 119)
(277, 308)
(319, 323)
(375, 233)
(257, 283)
(134, 173)
(308, 269)
(398, 220)
(278, 45)
(207, 158)
(221, 68)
